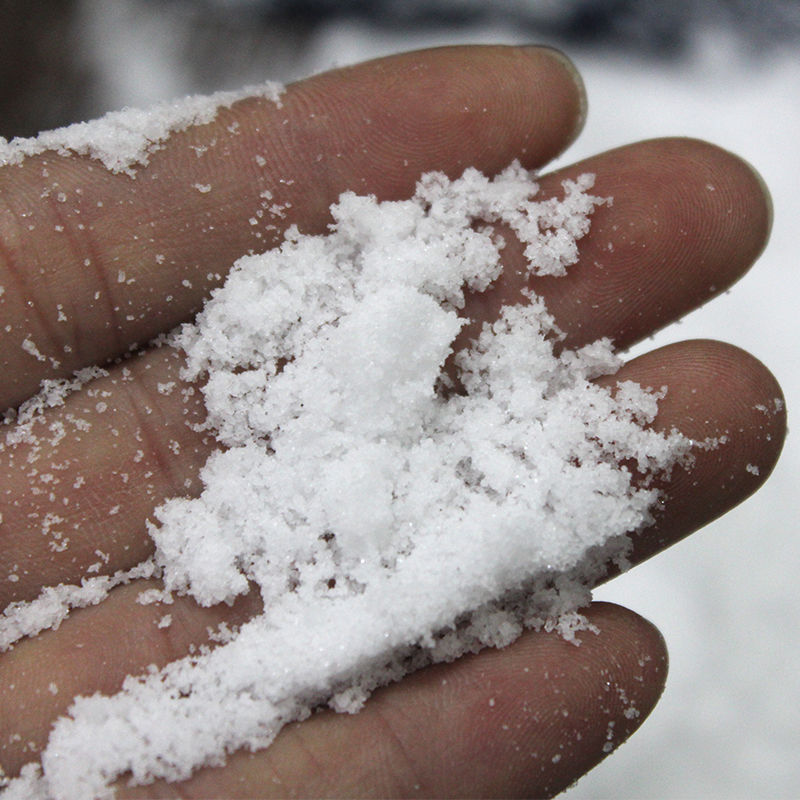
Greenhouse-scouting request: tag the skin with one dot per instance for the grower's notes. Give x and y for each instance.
(524, 721)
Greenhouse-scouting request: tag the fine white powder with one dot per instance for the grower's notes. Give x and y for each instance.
(52, 606)
(389, 518)
(124, 139)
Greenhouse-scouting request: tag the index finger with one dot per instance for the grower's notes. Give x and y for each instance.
(94, 262)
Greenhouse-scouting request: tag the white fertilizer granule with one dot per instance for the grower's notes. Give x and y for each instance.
(389, 517)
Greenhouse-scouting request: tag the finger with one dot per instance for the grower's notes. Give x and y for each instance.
(525, 721)
(92, 262)
(544, 708)
(687, 220)
(715, 393)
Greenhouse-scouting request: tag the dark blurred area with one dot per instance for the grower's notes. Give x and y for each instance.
(50, 75)
(43, 78)
(657, 27)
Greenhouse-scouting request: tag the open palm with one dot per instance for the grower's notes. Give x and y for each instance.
(94, 265)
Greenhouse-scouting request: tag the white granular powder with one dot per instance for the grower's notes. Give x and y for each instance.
(124, 139)
(388, 519)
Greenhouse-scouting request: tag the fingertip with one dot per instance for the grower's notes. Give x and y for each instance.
(617, 675)
(731, 406)
(641, 645)
(718, 390)
(546, 709)
(739, 184)
(688, 220)
(539, 51)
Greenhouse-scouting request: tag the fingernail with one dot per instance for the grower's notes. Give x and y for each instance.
(566, 62)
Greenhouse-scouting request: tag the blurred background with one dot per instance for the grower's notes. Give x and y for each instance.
(727, 71)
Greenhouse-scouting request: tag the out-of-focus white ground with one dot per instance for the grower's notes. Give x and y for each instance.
(728, 725)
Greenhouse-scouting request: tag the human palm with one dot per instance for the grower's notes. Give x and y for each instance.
(95, 264)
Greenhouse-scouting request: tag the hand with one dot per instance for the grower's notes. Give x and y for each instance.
(94, 264)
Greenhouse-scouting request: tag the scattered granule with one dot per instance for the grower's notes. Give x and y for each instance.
(150, 596)
(389, 517)
(775, 407)
(29, 346)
